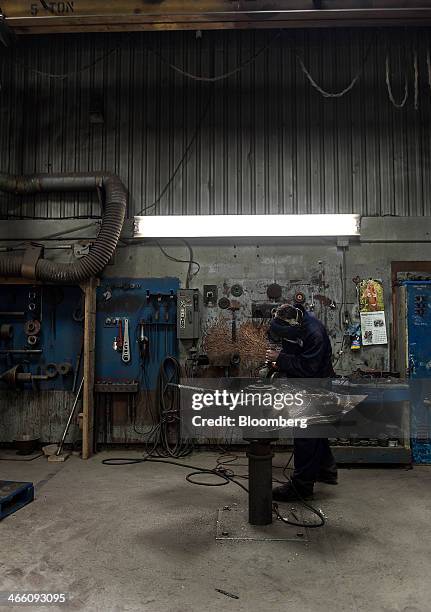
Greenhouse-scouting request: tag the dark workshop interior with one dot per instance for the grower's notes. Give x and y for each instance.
(215, 305)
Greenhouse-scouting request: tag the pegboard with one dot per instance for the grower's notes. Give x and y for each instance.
(150, 300)
(59, 311)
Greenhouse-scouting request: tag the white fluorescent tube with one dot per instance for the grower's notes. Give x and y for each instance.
(245, 226)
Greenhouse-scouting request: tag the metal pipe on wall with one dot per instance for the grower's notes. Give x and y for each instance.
(115, 203)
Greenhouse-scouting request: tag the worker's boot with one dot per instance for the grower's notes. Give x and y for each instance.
(328, 477)
(293, 490)
(328, 473)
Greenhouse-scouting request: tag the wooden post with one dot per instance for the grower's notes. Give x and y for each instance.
(89, 289)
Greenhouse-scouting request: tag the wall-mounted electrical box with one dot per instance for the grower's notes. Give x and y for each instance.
(189, 314)
(210, 295)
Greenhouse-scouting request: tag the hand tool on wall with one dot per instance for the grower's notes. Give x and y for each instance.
(234, 307)
(166, 317)
(78, 311)
(312, 302)
(117, 345)
(159, 301)
(53, 323)
(120, 335)
(126, 343)
(144, 343)
(53, 298)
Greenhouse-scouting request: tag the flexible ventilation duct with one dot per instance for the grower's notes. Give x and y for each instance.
(115, 202)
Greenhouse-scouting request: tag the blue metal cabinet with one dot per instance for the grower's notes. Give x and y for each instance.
(418, 297)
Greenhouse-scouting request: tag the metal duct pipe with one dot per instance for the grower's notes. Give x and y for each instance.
(115, 202)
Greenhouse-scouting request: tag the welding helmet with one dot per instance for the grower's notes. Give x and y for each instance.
(289, 314)
(286, 323)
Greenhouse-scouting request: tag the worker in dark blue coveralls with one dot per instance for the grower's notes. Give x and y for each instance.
(306, 353)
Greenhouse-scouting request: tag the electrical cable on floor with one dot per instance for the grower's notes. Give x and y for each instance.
(227, 476)
(164, 451)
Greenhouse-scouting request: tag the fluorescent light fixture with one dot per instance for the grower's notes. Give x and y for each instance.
(245, 226)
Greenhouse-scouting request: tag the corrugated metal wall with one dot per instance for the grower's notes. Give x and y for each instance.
(268, 143)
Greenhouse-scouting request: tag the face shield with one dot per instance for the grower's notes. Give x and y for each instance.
(286, 324)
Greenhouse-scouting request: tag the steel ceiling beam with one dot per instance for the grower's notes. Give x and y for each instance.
(46, 16)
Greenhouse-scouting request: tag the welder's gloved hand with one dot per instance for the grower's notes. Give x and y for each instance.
(272, 355)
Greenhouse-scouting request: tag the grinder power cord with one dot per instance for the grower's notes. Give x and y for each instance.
(227, 476)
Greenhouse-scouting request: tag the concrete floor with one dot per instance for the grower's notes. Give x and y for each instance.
(141, 538)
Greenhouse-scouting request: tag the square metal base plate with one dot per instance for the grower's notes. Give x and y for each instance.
(232, 524)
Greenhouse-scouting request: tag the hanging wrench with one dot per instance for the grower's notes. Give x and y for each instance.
(312, 303)
(126, 343)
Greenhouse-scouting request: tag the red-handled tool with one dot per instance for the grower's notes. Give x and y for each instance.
(120, 335)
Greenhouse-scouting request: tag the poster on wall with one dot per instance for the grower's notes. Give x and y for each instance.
(372, 311)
